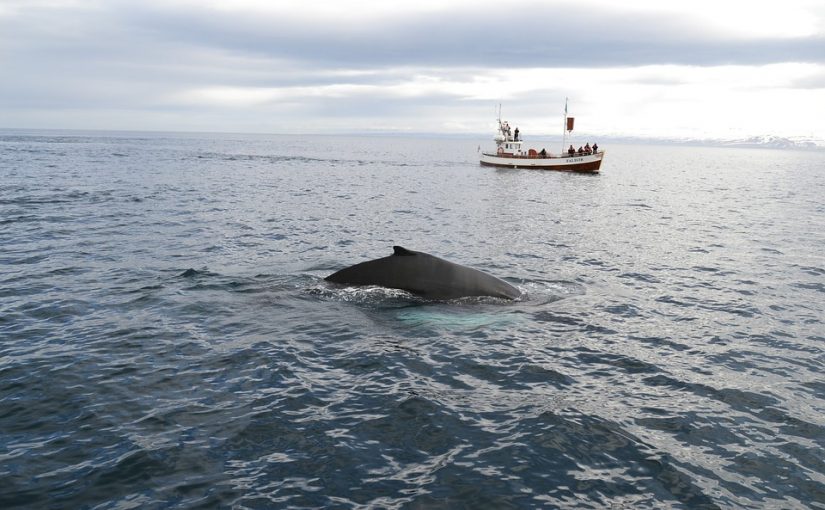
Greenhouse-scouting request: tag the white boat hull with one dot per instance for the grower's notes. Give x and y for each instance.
(578, 163)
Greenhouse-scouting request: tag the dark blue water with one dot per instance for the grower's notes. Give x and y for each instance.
(167, 339)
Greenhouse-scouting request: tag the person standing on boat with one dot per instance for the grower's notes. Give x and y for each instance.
(543, 153)
(571, 150)
(515, 137)
(595, 148)
(587, 148)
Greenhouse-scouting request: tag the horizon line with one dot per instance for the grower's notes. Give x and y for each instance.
(792, 143)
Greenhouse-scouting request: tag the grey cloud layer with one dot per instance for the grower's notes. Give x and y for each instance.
(537, 36)
(534, 37)
(139, 57)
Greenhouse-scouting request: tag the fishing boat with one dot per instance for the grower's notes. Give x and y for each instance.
(511, 153)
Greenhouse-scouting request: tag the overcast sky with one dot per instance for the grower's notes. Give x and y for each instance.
(699, 68)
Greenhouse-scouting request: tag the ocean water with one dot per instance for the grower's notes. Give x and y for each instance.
(167, 338)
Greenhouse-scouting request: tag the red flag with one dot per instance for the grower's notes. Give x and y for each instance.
(570, 123)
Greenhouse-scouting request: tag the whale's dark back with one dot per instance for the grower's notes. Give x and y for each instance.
(424, 275)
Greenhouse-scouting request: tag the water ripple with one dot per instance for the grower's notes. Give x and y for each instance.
(168, 339)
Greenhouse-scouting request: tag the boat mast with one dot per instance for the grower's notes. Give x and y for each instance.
(564, 129)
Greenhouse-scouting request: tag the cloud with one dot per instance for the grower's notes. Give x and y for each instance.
(811, 82)
(423, 65)
(559, 34)
(534, 35)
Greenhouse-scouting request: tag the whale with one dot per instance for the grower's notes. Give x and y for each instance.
(424, 275)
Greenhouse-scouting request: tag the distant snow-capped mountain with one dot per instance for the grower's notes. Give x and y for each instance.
(762, 141)
(775, 142)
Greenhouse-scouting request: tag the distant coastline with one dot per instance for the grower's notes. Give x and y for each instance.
(753, 142)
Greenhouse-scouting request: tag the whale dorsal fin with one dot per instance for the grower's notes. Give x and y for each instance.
(399, 251)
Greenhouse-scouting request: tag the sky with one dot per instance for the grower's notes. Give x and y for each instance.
(663, 69)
